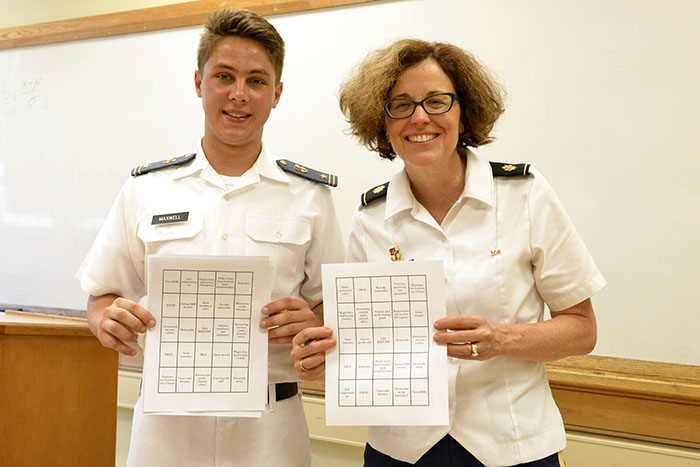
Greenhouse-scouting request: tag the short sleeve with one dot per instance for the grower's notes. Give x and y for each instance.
(326, 247)
(565, 273)
(109, 266)
(357, 249)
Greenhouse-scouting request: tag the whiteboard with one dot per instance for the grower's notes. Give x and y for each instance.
(602, 98)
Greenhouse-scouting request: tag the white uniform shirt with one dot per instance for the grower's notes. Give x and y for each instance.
(508, 248)
(267, 212)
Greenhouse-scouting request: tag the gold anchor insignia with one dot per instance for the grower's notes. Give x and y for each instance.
(301, 169)
(283, 162)
(168, 161)
(496, 252)
(144, 166)
(509, 167)
(395, 253)
(378, 189)
(324, 176)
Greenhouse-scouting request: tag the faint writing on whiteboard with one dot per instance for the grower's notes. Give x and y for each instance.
(25, 94)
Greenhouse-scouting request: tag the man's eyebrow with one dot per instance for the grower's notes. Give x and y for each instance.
(255, 71)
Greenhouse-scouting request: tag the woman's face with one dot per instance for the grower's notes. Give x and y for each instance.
(423, 140)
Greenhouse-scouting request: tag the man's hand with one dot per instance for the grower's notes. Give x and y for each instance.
(116, 321)
(286, 317)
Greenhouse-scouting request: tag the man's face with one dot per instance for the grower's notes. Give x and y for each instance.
(238, 91)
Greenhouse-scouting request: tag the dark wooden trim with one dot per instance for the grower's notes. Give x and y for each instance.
(635, 399)
(149, 19)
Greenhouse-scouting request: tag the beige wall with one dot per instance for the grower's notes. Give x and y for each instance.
(15, 13)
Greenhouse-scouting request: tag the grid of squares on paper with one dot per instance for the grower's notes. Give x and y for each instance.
(205, 331)
(383, 335)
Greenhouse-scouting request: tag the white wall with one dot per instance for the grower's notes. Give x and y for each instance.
(602, 99)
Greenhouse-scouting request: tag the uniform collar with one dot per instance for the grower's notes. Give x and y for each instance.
(264, 166)
(478, 184)
(478, 179)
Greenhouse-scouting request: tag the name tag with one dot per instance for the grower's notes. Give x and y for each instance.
(170, 218)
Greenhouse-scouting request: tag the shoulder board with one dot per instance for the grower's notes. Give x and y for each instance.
(504, 169)
(377, 192)
(308, 173)
(145, 168)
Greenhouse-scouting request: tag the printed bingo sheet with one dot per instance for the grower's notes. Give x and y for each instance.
(207, 352)
(386, 369)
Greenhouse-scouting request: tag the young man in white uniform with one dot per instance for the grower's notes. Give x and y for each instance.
(229, 198)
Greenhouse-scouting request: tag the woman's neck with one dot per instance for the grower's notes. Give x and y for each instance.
(437, 189)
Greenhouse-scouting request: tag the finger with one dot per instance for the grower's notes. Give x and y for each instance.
(142, 317)
(310, 363)
(315, 347)
(455, 337)
(112, 342)
(289, 317)
(284, 304)
(312, 374)
(117, 330)
(464, 351)
(306, 335)
(289, 330)
(458, 322)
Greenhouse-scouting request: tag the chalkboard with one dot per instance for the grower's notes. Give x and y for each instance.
(602, 97)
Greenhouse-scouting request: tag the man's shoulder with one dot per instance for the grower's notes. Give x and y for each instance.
(305, 172)
(162, 164)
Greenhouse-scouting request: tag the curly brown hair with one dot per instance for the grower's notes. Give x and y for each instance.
(368, 88)
(241, 23)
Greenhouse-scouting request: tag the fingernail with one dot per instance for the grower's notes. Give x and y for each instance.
(132, 353)
(143, 329)
(263, 323)
(151, 323)
(265, 310)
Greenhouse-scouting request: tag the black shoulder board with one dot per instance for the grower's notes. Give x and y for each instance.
(377, 192)
(145, 168)
(504, 169)
(308, 173)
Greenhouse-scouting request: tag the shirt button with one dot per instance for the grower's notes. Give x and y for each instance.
(224, 236)
(278, 234)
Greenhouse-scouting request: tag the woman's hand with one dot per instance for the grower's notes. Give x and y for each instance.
(571, 331)
(469, 337)
(309, 348)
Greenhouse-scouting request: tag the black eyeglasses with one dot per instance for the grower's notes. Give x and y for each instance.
(434, 105)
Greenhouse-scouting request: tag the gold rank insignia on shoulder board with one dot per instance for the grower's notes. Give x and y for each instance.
(145, 168)
(505, 169)
(308, 173)
(377, 192)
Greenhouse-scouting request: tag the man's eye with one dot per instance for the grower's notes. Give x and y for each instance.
(223, 76)
(257, 81)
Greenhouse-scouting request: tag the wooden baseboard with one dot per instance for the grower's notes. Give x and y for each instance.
(634, 399)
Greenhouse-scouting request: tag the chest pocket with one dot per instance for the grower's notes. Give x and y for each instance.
(153, 233)
(281, 230)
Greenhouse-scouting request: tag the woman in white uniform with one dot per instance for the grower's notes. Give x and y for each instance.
(507, 245)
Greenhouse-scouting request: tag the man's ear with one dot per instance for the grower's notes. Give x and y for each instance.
(278, 94)
(198, 82)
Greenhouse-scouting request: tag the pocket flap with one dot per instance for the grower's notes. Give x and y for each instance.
(278, 229)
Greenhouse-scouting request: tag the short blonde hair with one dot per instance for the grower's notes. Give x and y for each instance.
(241, 23)
(368, 88)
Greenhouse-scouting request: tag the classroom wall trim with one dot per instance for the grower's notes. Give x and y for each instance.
(148, 19)
(644, 400)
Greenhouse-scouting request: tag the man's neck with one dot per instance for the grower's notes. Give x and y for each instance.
(229, 160)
